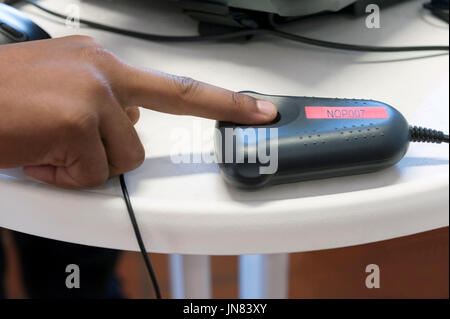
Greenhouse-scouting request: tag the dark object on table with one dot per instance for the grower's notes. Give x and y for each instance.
(315, 138)
(16, 27)
(439, 8)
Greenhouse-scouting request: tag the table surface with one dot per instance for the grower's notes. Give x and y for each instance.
(188, 209)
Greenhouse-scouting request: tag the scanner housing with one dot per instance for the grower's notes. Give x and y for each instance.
(316, 138)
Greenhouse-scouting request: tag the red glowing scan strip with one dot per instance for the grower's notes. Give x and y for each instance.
(346, 112)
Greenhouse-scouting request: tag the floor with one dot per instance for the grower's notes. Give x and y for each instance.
(410, 267)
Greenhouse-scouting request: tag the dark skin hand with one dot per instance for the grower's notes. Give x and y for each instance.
(68, 106)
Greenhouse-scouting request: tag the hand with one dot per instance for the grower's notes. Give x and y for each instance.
(67, 109)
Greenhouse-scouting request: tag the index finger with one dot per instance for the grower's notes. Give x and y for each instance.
(185, 96)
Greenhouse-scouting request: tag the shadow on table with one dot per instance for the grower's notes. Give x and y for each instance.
(337, 185)
(422, 161)
(323, 187)
(164, 167)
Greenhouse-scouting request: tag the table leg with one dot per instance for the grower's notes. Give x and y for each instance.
(176, 276)
(263, 276)
(190, 276)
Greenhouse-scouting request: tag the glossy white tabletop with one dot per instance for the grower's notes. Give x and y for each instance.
(188, 208)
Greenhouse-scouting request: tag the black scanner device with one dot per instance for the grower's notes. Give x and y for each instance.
(315, 138)
(16, 27)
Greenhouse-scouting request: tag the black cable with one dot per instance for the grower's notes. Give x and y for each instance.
(426, 135)
(148, 36)
(242, 34)
(353, 47)
(137, 232)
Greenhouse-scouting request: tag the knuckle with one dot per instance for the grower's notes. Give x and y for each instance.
(82, 38)
(99, 89)
(95, 53)
(133, 114)
(239, 100)
(185, 87)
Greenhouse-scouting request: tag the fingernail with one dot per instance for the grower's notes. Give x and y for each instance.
(266, 107)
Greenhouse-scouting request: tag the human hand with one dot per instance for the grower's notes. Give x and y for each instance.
(67, 109)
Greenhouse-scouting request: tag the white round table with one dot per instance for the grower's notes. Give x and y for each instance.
(188, 209)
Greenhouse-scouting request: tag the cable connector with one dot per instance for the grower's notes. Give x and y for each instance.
(426, 135)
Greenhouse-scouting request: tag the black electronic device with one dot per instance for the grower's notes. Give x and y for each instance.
(212, 31)
(315, 138)
(259, 13)
(16, 27)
